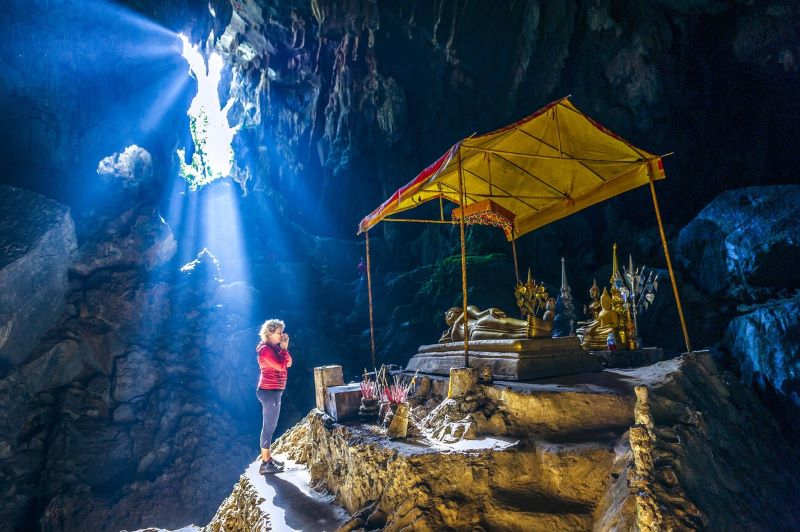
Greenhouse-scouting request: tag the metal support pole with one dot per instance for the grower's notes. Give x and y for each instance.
(669, 266)
(369, 296)
(514, 252)
(462, 196)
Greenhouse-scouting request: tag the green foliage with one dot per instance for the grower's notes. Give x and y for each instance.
(444, 285)
(199, 171)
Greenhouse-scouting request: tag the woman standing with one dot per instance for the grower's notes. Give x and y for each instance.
(273, 359)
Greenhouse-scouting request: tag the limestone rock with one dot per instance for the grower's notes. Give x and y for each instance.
(226, 370)
(240, 511)
(691, 457)
(240, 298)
(194, 452)
(766, 343)
(136, 374)
(518, 488)
(746, 243)
(699, 454)
(36, 247)
(130, 169)
(138, 236)
(56, 367)
(127, 304)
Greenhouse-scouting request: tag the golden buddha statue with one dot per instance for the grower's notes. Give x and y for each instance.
(594, 335)
(490, 324)
(593, 309)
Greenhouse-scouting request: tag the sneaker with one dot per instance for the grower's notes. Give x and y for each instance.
(268, 468)
(276, 462)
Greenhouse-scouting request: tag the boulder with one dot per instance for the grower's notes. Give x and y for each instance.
(137, 237)
(745, 244)
(36, 247)
(766, 343)
(127, 170)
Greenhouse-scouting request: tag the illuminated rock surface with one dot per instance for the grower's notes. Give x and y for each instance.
(766, 342)
(118, 412)
(36, 247)
(745, 245)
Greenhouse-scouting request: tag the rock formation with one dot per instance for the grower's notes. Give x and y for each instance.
(125, 366)
(679, 446)
(742, 251)
(36, 249)
(124, 407)
(745, 245)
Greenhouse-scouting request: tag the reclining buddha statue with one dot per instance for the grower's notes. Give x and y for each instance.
(492, 324)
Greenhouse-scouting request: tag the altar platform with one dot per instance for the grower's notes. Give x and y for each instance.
(511, 360)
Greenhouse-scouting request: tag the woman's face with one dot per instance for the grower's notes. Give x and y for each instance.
(275, 337)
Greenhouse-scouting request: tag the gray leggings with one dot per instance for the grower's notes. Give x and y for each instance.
(270, 410)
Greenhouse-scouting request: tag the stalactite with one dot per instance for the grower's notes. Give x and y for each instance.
(411, 22)
(525, 47)
(298, 30)
(449, 47)
(437, 20)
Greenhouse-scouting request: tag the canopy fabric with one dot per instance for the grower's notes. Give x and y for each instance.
(545, 167)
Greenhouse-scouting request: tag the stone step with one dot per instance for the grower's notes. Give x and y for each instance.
(516, 521)
(564, 409)
(580, 407)
(537, 484)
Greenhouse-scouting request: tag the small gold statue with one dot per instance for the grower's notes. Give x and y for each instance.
(594, 307)
(595, 333)
(610, 325)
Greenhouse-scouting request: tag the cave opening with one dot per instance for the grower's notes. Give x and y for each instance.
(212, 135)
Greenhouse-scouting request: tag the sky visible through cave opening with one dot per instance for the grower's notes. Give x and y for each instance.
(212, 135)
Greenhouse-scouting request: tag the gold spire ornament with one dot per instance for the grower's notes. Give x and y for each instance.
(641, 292)
(536, 306)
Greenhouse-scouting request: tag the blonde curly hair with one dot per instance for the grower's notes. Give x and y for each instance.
(269, 327)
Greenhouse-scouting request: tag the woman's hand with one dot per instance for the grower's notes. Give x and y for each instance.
(284, 341)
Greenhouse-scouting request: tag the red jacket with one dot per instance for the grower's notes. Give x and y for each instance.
(273, 362)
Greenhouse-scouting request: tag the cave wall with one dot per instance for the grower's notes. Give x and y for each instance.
(340, 103)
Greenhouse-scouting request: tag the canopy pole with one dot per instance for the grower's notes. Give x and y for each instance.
(514, 251)
(558, 132)
(489, 166)
(441, 204)
(669, 264)
(462, 196)
(369, 297)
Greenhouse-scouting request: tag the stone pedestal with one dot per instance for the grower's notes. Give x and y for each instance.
(325, 376)
(462, 380)
(510, 360)
(398, 427)
(342, 402)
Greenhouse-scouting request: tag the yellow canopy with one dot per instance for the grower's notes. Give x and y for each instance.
(548, 165)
